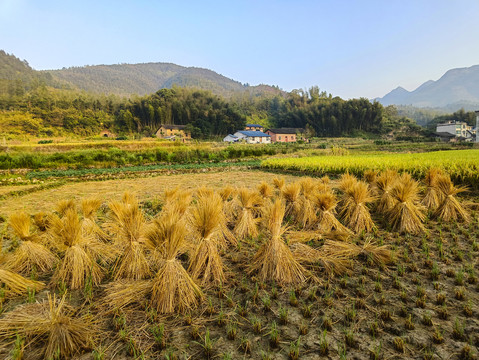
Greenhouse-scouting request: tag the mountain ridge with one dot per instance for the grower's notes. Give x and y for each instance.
(16, 76)
(458, 86)
(147, 78)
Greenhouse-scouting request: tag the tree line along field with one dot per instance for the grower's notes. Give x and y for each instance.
(294, 268)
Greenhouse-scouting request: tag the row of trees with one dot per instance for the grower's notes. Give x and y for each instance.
(48, 111)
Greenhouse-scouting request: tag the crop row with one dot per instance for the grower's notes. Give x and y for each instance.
(45, 174)
(462, 165)
(119, 157)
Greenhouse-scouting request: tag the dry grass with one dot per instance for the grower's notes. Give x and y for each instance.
(407, 214)
(384, 184)
(206, 224)
(89, 207)
(147, 188)
(291, 193)
(248, 209)
(122, 293)
(274, 260)
(128, 225)
(370, 176)
(63, 206)
(278, 183)
(30, 255)
(332, 264)
(381, 254)
(346, 181)
(173, 289)
(227, 193)
(326, 220)
(17, 284)
(302, 236)
(53, 328)
(450, 209)
(80, 252)
(265, 190)
(355, 211)
(21, 224)
(40, 220)
(432, 196)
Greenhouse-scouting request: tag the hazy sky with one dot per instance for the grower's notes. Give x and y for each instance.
(348, 48)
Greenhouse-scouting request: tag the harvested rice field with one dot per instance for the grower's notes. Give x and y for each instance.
(145, 189)
(242, 265)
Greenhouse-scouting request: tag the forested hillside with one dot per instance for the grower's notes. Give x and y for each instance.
(143, 79)
(37, 104)
(17, 77)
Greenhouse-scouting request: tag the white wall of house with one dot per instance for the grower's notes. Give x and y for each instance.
(456, 128)
(258, 140)
(230, 138)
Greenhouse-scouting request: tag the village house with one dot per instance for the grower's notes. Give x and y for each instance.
(173, 132)
(230, 138)
(253, 137)
(254, 127)
(285, 134)
(459, 129)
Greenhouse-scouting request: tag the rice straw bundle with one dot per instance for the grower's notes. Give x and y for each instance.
(17, 284)
(308, 185)
(291, 193)
(227, 193)
(274, 260)
(381, 254)
(278, 183)
(80, 252)
(433, 196)
(355, 212)
(450, 208)
(331, 264)
(53, 328)
(41, 220)
(30, 255)
(307, 217)
(346, 181)
(122, 293)
(63, 205)
(370, 176)
(265, 190)
(384, 183)
(326, 220)
(172, 288)
(248, 209)
(177, 199)
(407, 214)
(205, 221)
(127, 222)
(302, 236)
(90, 207)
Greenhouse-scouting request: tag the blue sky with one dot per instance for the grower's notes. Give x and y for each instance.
(348, 48)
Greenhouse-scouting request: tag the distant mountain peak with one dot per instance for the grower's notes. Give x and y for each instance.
(456, 86)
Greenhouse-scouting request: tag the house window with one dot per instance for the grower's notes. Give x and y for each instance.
(279, 137)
